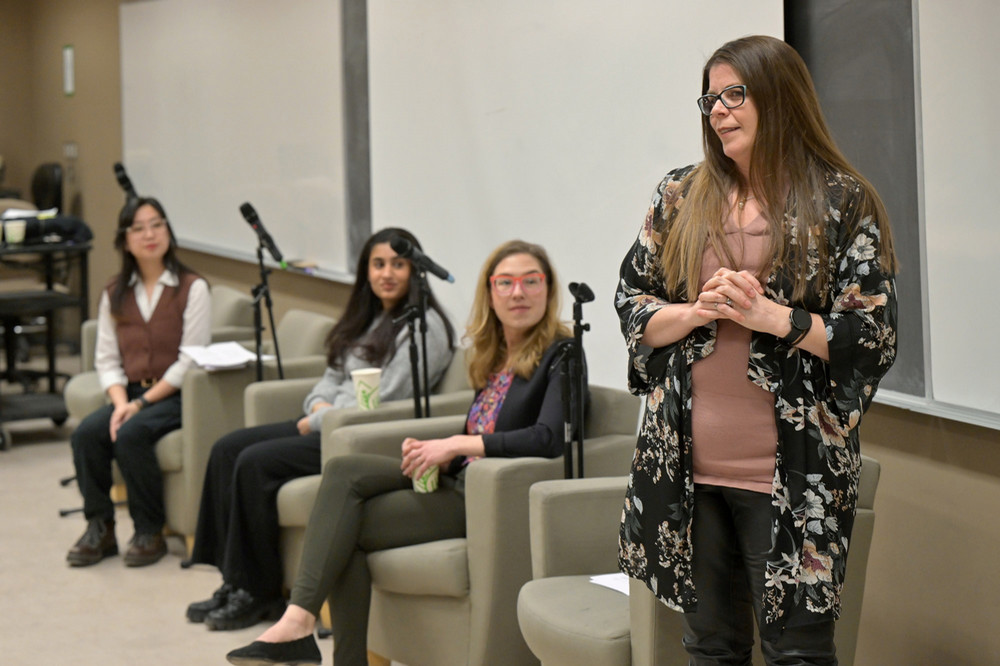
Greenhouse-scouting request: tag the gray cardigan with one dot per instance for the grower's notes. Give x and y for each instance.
(396, 383)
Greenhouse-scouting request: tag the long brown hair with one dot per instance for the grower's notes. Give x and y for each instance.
(792, 158)
(488, 349)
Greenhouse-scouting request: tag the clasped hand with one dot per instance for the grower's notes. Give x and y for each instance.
(120, 415)
(737, 296)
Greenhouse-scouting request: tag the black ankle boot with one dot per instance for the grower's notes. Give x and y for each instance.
(197, 611)
(243, 610)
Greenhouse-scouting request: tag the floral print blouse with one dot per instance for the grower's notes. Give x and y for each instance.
(818, 406)
(483, 414)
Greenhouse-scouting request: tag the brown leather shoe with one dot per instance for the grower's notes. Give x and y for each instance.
(96, 543)
(145, 549)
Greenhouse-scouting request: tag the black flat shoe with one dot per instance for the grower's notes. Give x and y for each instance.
(243, 610)
(197, 611)
(293, 653)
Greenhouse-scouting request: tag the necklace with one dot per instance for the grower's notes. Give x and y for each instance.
(743, 202)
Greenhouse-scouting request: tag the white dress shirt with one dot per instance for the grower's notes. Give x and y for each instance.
(197, 329)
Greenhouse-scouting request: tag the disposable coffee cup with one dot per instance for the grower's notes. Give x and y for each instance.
(13, 231)
(427, 483)
(366, 386)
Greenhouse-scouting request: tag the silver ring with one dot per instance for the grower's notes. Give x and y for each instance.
(729, 302)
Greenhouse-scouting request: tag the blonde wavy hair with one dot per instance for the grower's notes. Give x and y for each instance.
(488, 348)
(793, 156)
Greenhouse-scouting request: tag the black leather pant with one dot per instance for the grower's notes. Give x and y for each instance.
(731, 541)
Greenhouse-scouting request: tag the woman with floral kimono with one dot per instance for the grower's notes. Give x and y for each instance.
(758, 305)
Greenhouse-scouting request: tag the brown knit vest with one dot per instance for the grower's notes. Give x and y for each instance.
(148, 348)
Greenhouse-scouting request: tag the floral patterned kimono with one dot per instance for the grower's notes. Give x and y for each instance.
(818, 406)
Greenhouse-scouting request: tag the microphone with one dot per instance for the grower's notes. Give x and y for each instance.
(581, 292)
(250, 215)
(124, 181)
(407, 250)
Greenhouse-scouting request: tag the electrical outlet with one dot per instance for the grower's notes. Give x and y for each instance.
(70, 150)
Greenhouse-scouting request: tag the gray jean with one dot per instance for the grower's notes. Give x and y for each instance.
(365, 504)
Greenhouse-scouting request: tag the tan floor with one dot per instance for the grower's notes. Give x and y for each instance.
(107, 614)
(103, 615)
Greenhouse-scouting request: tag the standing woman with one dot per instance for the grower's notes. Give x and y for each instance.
(154, 305)
(367, 502)
(238, 519)
(759, 309)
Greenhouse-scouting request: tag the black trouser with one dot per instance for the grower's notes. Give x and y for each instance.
(365, 503)
(135, 451)
(731, 541)
(238, 518)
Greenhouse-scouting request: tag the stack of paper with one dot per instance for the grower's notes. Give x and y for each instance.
(220, 356)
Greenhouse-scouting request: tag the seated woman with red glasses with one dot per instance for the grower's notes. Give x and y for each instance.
(367, 502)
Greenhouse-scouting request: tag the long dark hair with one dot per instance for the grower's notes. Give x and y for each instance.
(363, 307)
(125, 219)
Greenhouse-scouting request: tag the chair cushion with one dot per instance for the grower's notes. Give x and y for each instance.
(569, 620)
(296, 499)
(438, 568)
(169, 451)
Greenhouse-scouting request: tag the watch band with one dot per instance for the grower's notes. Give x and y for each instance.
(801, 322)
(143, 403)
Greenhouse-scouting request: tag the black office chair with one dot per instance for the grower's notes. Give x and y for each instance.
(47, 186)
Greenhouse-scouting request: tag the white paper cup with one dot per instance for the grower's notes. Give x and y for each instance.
(366, 386)
(13, 231)
(428, 483)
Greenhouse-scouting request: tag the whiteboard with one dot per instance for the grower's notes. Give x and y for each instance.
(961, 160)
(232, 101)
(551, 121)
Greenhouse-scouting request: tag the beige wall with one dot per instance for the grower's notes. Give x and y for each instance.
(932, 590)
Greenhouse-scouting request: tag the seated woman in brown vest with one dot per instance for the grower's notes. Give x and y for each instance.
(153, 306)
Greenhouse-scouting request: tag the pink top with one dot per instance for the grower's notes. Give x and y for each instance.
(735, 437)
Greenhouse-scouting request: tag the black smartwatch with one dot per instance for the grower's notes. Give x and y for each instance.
(801, 322)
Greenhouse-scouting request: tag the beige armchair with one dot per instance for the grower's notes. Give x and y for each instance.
(566, 619)
(453, 601)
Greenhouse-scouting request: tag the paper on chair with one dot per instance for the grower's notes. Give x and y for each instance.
(221, 355)
(616, 581)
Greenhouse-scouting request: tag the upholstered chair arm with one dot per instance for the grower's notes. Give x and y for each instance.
(276, 400)
(297, 367)
(211, 405)
(386, 438)
(449, 404)
(496, 514)
(83, 394)
(574, 526)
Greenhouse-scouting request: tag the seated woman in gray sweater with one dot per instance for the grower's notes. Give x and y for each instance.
(238, 518)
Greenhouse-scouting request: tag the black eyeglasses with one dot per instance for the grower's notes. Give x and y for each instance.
(731, 97)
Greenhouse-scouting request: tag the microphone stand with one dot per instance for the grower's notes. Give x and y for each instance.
(414, 312)
(574, 385)
(259, 292)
